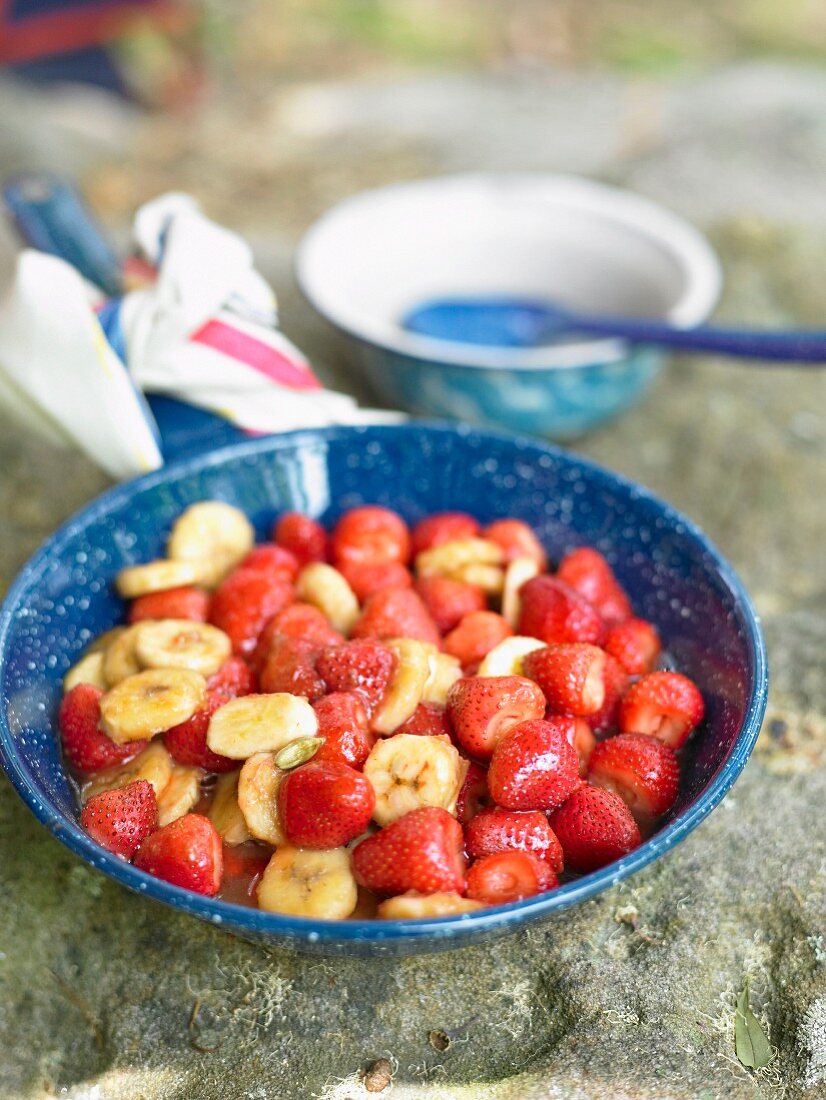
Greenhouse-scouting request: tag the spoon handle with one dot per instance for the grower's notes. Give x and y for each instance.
(806, 346)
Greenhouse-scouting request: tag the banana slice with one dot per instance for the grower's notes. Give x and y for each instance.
(225, 813)
(104, 640)
(490, 578)
(154, 765)
(406, 687)
(214, 535)
(180, 794)
(260, 723)
(88, 670)
(151, 702)
(444, 672)
(181, 643)
(408, 771)
(157, 576)
(415, 906)
(119, 658)
(518, 573)
(305, 882)
(258, 786)
(506, 658)
(325, 588)
(449, 559)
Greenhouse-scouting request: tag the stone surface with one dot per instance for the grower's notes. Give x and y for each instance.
(104, 995)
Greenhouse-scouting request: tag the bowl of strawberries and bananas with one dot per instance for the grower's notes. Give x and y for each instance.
(377, 689)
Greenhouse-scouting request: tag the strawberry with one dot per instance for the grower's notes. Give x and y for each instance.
(534, 766)
(323, 804)
(187, 852)
(396, 613)
(665, 704)
(473, 794)
(85, 745)
(589, 574)
(503, 877)
(298, 620)
(449, 601)
(643, 771)
(583, 740)
(475, 636)
(570, 675)
(122, 819)
(233, 679)
(186, 743)
(371, 536)
(481, 710)
(368, 578)
(342, 722)
(500, 830)
(363, 666)
(517, 540)
(304, 537)
(173, 603)
(420, 851)
(273, 560)
(594, 827)
(636, 645)
(244, 602)
(291, 667)
(554, 612)
(443, 527)
(427, 720)
(615, 679)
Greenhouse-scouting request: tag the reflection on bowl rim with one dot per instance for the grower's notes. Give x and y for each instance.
(686, 243)
(440, 931)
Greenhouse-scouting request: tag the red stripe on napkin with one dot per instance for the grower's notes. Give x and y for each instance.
(260, 356)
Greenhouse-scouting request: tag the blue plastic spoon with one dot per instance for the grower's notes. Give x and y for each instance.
(525, 323)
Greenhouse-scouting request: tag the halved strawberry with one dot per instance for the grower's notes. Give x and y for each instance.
(372, 535)
(570, 675)
(642, 770)
(505, 877)
(272, 559)
(475, 636)
(449, 601)
(473, 795)
(498, 830)
(427, 720)
(342, 722)
(368, 578)
(583, 740)
(244, 602)
(299, 620)
(481, 710)
(85, 745)
(420, 851)
(122, 819)
(303, 536)
(187, 852)
(534, 766)
(666, 705)
(554, 612)
(363, 666)
(443, 527)
(324, 804)
(186, 743)
(517, 540)
(291, 667)
(233, 679)
(588, 573)
(185, 602)
(615, 679)
(396, 613)
(594, 827)
(636, 645)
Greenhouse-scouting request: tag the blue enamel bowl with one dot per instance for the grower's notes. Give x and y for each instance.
(64, 597)
(372, 258)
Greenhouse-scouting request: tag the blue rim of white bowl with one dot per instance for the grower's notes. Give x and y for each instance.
(686, 243)
(318, 932)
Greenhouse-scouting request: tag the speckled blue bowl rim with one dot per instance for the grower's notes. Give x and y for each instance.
(317, 932)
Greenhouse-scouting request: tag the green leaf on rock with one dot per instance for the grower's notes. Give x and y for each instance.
(752, 1047)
